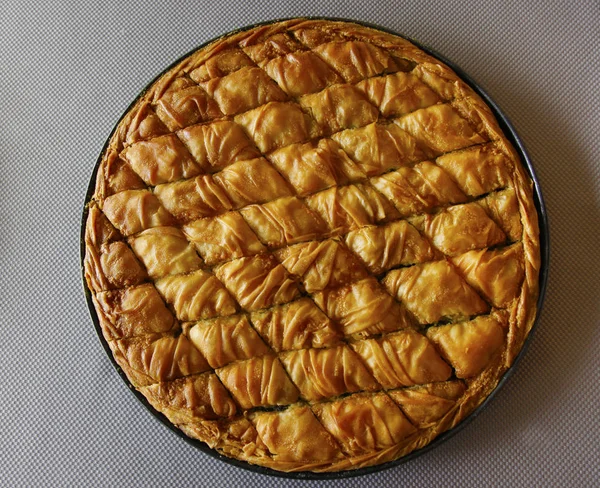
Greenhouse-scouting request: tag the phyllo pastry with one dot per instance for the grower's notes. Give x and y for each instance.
(311, 247)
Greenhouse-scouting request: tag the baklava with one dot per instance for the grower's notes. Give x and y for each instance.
(312, 247)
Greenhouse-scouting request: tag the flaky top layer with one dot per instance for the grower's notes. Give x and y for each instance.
(311, 246)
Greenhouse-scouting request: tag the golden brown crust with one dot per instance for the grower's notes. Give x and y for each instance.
(311, 246)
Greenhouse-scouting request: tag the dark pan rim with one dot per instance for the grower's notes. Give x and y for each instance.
(511, 135)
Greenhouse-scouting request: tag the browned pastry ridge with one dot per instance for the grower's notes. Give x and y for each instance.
(311, 246)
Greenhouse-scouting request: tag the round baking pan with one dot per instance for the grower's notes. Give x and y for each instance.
(511, 135)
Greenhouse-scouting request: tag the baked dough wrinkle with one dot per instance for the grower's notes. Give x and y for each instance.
(458, 229)
(154, 358)
(161, 160)
(418, 189)
(221, 64)
(386, 246)
(322, 264)
(165, 251)
(424, 405)
(193, 199)
(311, 247)
(470, 346)
(186, 400)
(132, 312)
(434, 291)
(133, 211)
(296, 325)
(364, 423)
(398, 94)
(402, 359)
(345, 208)
(185, 103)
(363, 308)
(356, 60)
(195, 296)
(324, 373)
(283, 221)
(315, 166)
(243, 90)
(260, 381)
(216, 145)
(339, 107)
(378, 147)
(222, 238)
(257, 282)
(226, 339)
(299, 73)
(296, 436)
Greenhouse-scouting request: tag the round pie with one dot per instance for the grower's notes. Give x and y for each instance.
(312, 247)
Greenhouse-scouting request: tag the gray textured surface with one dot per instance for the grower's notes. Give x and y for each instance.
(67, 72)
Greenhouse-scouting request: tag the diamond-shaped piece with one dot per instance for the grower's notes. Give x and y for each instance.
(157, 358)
(470, 346)
(195, 296)
(277, 124)
(356, 60)
(257, 282)
(161, 160)
(386, 246)
(191, 399)
(133, 211)
(283, 221)
(340, 107)
(321, 264)
(363, 308)
(132, 312)
(346, 208)
(258, 382)
(294, 435)
(402, 359)
(193, 199)
(398, 94)
(441, 128)
(265, 48)
(98, 229)
(254, 181)
(222, 238)
(226, 339)
(145, 124)
(116, 175)
(185, 103)
(119, 266)
(496, 274)
(243, 90)
(418, 189)
(324, 373)
(164, 251)
(459, 229)
(301, 73)
(295, 325)
(364, 423)
(377, 148)
(426, 404)
(503, 208)
(477, 170)
(434, 291)
(217, 145)
(315, 166)
(221, 64)
(442, 81)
